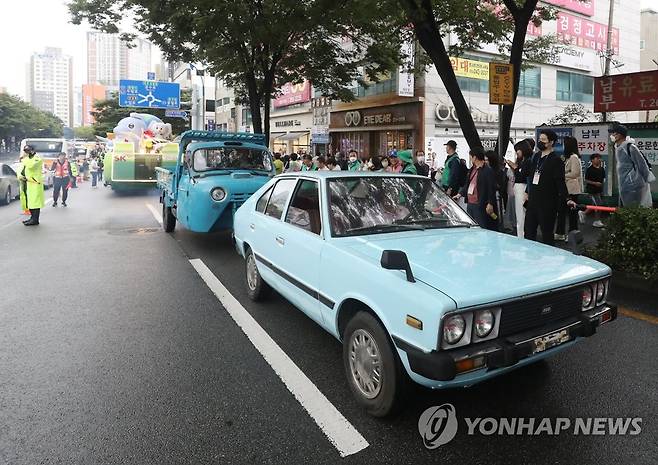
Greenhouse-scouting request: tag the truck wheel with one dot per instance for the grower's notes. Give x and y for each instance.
(257, 289)
(168, 219)
(374, 371)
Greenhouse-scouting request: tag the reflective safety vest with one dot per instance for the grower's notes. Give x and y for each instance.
(62, 170)
(74, 169)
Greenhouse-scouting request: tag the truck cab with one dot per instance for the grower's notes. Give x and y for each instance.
(215, 173)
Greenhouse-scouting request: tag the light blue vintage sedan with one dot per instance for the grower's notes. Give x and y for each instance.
(413, 288)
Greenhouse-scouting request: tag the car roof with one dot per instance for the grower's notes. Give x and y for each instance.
(223, 144)
(348, 174)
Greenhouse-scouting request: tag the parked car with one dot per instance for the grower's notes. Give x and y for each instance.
(397, 271)
(8, 184)
(214, 174)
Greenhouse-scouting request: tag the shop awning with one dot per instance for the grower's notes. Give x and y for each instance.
(276, 135)
(293, 135)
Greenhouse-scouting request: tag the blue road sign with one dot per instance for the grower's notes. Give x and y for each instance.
(176, 114)
(149, 94)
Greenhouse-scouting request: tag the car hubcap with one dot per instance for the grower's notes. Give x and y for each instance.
(252, 272)
(365, 363)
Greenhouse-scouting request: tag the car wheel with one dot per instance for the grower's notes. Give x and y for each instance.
(168, 219)
(374, 371)
(257, 289)
(8, 197)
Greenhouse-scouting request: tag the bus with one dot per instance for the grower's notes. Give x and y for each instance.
(48, 148)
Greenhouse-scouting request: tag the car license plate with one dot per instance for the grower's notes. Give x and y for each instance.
(552, 340)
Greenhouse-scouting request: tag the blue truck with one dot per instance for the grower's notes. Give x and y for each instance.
(214, 174)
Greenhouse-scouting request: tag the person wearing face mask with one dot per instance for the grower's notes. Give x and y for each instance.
(31, 178)
(547, 189)
(632, 169)
(480, 191)
(422, 168)
(395, 166)
(353, 163)
(520, 168)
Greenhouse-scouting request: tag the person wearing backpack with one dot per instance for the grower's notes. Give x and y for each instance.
(453, 177)
(632, 168)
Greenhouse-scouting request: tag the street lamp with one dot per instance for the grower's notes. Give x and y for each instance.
(201, 73)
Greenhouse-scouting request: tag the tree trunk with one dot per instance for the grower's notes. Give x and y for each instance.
(254, 104)
(430, 39)
(267, 101)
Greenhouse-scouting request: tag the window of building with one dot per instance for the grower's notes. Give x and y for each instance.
(572, 87)
(386, 86)
(642, 44)
(530, 83)
(233, 112)
(246, 117)
(226, 100)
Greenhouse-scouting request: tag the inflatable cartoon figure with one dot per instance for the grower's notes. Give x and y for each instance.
(161, 131)
(130, 129)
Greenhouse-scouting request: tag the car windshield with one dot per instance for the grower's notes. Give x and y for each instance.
(377, 204)
(45, 146)
(227, 158)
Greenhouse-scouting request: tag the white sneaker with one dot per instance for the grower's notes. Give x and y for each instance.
(598, 224)
(560, 237)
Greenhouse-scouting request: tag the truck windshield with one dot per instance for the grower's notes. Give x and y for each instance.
(45, 146)
(232, 158)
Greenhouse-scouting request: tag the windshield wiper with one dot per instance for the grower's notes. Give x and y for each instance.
(449, 223)
(384, 227)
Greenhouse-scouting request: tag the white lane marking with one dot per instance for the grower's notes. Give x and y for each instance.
(155, 213)
(335, 426)
(15, 220)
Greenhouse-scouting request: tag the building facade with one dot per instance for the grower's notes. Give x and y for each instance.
(649, 48)
(90, 94)
(109, 59)
(50, 83)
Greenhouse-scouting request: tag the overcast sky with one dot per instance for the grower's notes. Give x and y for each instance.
(30, 25)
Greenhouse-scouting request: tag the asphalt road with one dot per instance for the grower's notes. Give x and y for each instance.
(113, 350)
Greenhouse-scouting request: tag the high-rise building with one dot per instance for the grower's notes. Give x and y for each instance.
(90, 94)
(50, 83)
(109, 59)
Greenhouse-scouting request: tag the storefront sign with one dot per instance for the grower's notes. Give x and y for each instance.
(577, 58)
(287, 123)
(584, 33)
(626, 92)
(584, 7)
(444, 112)
(473, 69)
(393, 115)
(292, 94)
(406, 78)
(594, 139)
(501, 84)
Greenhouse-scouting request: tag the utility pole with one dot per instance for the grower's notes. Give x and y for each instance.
(608, 48)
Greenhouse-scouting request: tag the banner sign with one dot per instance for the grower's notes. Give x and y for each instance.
(626, 92)
(501, 84)
(584, 7)
(473, 69)
(291, 94)
(405, 78)
(584, 33)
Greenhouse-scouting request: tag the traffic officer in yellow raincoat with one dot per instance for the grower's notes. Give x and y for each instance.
(31, 180)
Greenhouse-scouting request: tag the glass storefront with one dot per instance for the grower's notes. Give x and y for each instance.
(373, 142)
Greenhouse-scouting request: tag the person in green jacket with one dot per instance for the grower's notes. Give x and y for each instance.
(31, 179)
(75, 171)
(407, 159)
(353, 161)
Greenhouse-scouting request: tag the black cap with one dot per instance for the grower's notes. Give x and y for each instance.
(451, 143)
(594, 155)
(619, 129)
(27, 147)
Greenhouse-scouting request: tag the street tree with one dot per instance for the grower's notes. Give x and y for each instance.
(20, 120)
(574, 113)
(256, 46)
(107, 113)
(84, 132)
(503, 23)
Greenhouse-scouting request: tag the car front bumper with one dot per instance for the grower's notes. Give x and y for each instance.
(447, 366)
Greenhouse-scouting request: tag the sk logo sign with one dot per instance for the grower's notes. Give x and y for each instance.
(438, 425)
(119, 158)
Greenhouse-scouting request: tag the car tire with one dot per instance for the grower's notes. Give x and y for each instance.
(365, 337)
(257, 289)
(168, 219)
(7, 198)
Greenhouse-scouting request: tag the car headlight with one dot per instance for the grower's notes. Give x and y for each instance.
(588, 296)
(484, 323)
(218, 194)
(453, 329)
(601, 291)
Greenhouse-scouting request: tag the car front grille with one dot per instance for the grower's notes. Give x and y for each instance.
(525, 314)
(238, 199)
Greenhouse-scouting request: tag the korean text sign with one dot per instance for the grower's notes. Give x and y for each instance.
(585, 33)
(292, 94)
(501, 84)
(626, 92)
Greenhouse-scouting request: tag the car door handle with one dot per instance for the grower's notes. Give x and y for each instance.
(252, 226)
(280, 240)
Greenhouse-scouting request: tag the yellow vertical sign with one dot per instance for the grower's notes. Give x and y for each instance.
(501, 84)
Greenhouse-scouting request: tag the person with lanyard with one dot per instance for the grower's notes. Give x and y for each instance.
(31, 179)
(520, 168)
(546, 189)
(62, 178)
(480, 191)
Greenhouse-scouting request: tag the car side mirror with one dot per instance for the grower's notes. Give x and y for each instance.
(397, 260)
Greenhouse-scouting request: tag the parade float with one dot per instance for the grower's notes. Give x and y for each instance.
(137, 146)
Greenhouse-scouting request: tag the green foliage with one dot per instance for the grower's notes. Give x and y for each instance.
(84, 132)
(107, 113)
(21, 120)
(630, 243)
(574, 113)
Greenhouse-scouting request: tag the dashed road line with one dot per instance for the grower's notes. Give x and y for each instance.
(333, 424)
